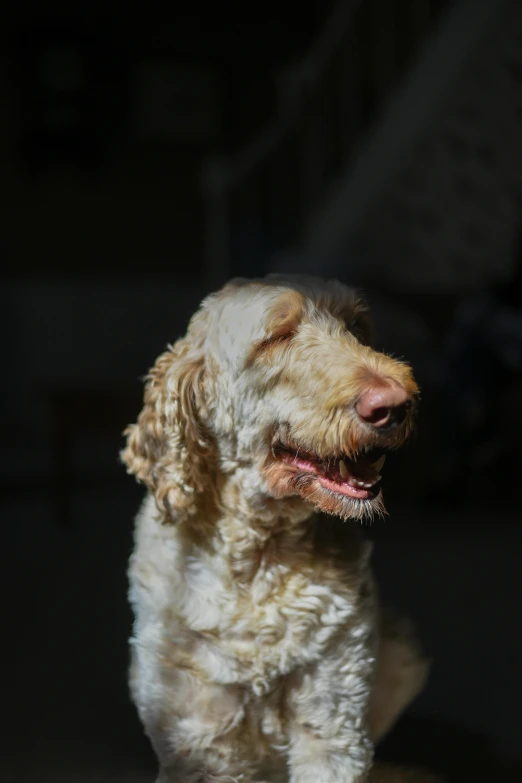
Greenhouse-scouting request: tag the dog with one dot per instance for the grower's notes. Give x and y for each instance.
(259, 650)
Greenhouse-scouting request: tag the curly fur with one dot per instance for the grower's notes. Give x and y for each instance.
(259, 651)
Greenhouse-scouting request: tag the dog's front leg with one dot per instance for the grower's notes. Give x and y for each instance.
(329, 740)
(315, 757)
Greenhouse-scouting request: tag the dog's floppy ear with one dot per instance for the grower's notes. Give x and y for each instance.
(168, 448)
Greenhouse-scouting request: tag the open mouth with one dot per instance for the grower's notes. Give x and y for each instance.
(358, 478)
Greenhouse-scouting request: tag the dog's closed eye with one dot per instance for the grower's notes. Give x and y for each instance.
(262, 348)
(282, 324)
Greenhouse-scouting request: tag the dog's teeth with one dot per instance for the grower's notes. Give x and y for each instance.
(343, 469)
(369, 484)
(380, 462)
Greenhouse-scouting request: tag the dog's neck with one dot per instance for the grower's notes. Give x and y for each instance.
(242, 522)
(252, 523)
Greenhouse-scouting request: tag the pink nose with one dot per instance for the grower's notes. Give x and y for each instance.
(383, 405)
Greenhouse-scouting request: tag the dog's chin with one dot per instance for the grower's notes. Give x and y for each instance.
(324, 494)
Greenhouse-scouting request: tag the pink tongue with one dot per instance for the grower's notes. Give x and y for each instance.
(344, 488)
(332, 477)
(363, 471)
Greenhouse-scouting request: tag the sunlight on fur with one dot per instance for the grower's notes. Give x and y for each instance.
(259, 651)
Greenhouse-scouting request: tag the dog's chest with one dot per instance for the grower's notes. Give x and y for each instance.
(284, 618)
(192, 610)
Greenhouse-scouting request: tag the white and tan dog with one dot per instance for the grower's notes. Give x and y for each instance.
(259, 651)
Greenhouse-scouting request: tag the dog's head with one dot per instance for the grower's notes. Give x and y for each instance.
(276, 377)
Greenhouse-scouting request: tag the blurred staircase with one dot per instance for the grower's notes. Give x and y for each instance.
(394, 158)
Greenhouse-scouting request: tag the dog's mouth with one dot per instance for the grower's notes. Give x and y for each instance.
(358, 478)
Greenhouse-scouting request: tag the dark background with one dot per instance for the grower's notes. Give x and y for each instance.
(148, 155)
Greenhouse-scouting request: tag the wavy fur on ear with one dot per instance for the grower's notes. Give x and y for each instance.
(168, 448)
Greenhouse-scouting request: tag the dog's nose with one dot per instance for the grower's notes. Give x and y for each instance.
(383, 405)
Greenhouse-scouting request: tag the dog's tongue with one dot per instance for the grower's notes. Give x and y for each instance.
(355, 478)
(360, 473)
